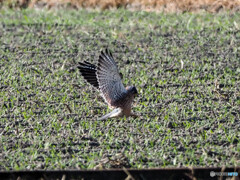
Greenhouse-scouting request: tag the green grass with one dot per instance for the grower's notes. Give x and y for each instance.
(186, 68)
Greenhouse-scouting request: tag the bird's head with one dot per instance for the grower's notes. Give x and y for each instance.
(132, 90)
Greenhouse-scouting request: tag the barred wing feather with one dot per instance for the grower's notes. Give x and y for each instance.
(88, 71)
(109, 79)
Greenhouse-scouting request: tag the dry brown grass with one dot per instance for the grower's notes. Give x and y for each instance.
(147, 5)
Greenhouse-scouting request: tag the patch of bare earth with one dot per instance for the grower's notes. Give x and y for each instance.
(171, 6)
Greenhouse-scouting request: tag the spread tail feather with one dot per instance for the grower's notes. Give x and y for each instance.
(115, 113)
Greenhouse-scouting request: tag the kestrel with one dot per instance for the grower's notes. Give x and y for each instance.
(106, 78)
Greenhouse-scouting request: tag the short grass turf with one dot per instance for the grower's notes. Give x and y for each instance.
(186, 68)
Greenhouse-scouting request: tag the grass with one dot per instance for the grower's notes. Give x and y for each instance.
(185, 66)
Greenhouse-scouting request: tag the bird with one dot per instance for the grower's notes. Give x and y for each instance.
(105, 77)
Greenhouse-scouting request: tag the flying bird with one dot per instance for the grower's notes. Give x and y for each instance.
(106, 78)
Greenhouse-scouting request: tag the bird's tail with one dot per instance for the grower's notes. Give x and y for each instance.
(115, 113)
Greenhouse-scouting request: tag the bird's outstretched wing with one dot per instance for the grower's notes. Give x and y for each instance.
(88, 71)
(109, 79)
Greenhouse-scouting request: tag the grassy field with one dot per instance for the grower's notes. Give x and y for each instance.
(186, 68)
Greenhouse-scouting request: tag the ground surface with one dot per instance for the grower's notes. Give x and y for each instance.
(186, 68)
(171, 6)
